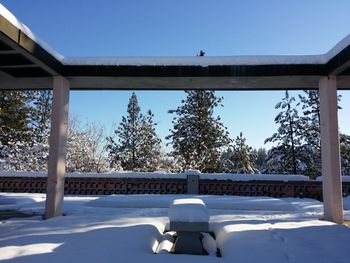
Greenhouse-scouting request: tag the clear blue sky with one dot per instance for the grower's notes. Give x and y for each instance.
(173, 28)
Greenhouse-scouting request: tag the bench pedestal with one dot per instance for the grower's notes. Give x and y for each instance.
(188, 243)
(188, 217)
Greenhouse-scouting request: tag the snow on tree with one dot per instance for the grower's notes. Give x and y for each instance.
(311, 120)
(287, 156)
(169, 164)
(137, 146)
(197, 136)
(40, 121)
(345, 154)
(24, 131)
(238, 159)
(259, 158)
(310, 104)
(86, 148)
(14, 116)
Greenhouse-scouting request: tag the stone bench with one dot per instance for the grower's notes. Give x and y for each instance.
(188, 217)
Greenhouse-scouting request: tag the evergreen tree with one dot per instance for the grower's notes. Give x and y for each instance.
(311, 122)
(259, 158)
(311, 132)
(149, 144)
(287, 156)
(15, 133)
(14, 116)
(197, 137)
(345, 154)
(138, 146)
(238, 159)
(126, 148)
(40, 121)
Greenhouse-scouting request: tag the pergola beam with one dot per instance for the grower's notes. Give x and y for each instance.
(11, 83)
(330, 151)
(186, 83)
(57, 151)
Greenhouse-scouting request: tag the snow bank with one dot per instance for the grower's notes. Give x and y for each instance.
(105, 235)
(24, 202)
(162, 175)
(212, 202)
(303, 241)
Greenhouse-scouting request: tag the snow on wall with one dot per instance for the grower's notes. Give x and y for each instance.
(345, 178)
(160, 175)
(178, 61)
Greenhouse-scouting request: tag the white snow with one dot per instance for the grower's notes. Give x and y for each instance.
(188, 210)
(126, 234)
(254, 177)
(156, 175)
(346, 203)
(166, 243)
(209, 244)
(345, 178)
(211, 202)
(196, 61)
(178, 61)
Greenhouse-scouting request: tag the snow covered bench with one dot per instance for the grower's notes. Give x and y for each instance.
(188, 217)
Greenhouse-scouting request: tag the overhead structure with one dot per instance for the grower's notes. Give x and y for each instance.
(28, 63)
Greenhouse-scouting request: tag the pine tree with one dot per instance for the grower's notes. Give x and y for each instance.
(14, 129)
(149, 151)
(345, 154)
(197, 137)
(137, 146)
(311, 123)
(287, 156)
(238, 159)
(40, 121)
(259, 158)
(14, 116)
(311, 132)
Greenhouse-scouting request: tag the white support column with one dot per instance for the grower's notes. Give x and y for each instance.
(331, 173)
(57, 152)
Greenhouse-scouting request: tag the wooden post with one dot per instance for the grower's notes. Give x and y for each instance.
(330, 147)
(57, 152)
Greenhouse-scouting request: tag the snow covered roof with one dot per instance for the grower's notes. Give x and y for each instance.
(24, 55)
(213, 60)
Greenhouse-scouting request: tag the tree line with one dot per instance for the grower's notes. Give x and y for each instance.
(198, 139)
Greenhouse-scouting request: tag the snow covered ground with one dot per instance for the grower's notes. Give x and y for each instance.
(129, 228)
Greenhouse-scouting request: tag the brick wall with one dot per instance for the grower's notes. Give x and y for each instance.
(106, 186)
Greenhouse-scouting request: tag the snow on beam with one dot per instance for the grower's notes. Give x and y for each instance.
(332, 186)
(57, 152)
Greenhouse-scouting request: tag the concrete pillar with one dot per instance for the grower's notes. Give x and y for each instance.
(330, 147)
(57, 152)
(192, 184)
